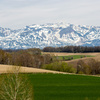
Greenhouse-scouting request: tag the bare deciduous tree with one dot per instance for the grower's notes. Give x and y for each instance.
(15, 87)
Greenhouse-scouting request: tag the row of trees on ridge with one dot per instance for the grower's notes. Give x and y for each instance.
(72, 49)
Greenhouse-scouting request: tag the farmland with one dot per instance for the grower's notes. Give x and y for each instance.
(54, 85)
(48, 86)
(76, 56)
(71, 57)
(65, 87)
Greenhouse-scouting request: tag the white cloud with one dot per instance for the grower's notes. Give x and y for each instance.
(19, 13)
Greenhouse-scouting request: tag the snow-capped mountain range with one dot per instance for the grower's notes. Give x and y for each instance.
(56, 35)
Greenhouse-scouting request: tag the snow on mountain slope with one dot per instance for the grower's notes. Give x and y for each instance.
(58, 34)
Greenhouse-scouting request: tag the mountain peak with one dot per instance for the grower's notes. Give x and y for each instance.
(50, 34)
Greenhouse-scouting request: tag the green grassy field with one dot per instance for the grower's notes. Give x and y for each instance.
(65, 87)
(73, 56)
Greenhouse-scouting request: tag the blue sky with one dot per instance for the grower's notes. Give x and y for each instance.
(19, 13)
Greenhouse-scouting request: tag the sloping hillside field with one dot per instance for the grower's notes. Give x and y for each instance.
(65, 87)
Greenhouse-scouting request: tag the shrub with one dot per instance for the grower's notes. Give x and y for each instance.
(83, 67)
(91, 67)
(80, 72)
(60, 66)
(95, 66)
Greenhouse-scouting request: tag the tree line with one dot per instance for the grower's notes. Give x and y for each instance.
(72, 49)
(29, 57)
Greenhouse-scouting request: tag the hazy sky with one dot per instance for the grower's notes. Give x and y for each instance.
(19, 13)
